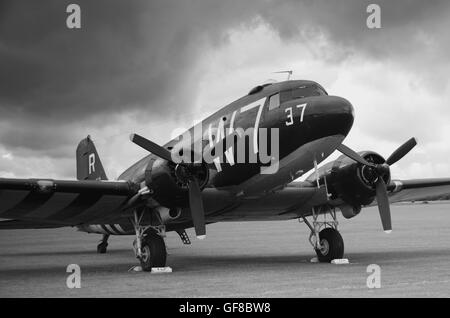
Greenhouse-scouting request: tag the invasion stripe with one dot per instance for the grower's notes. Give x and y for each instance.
(116, 229)
(102, 211)
(126, 228)
(119, 228)
(56, 203)
(31, 202)
(105, 229)
(10, 198)
(110, 229)
(100, 229)
(77, 207)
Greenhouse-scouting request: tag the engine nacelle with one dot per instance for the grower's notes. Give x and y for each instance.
(167, 215)
(349, 211)
(351, 182)
(167, 182)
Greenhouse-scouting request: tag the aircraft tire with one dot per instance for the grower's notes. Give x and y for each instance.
(333, 245)
(154, 252)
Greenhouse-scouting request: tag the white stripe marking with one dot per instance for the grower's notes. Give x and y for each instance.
(110, 229)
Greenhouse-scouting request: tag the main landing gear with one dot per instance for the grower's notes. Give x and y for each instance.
(324, 237)
(149, 245)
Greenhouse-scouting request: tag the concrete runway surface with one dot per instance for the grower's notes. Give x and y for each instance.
(254, 259)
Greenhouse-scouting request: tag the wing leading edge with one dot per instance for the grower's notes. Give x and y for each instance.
(419, 190)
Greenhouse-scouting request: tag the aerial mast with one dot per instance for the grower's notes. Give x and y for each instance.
(289, 74)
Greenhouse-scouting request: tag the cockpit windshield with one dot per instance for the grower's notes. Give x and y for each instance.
(302, 92)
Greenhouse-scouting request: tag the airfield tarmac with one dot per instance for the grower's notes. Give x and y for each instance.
(253, 259)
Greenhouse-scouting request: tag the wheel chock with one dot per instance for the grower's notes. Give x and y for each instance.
(161, 270)
(340, 261)
(136, 268)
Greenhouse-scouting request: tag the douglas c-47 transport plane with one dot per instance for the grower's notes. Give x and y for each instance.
(238, 164)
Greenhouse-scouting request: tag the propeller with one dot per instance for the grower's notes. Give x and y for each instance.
(195, 195)
(197, 210)
(401, 151)
(150, 146)
(379, 171)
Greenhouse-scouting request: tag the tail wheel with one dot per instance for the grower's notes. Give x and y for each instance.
(332, 245)
(153, 252)
(102, 247)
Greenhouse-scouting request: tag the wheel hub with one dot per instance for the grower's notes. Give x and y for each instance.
(145, 253)
(324, 247)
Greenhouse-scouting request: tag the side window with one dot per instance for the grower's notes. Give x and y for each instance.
(285, 96)
(300, 92)
(274, 101)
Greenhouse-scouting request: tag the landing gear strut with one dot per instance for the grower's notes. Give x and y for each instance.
(102, 246)
(149, 245)
(324, 237)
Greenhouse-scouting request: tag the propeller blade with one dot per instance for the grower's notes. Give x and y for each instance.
(383, 205)
(353, 155)
(197, 211)
(401, 151)
(151, 147)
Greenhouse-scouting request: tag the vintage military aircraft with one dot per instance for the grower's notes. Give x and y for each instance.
(162, 193)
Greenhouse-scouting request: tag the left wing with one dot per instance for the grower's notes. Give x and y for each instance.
(398, 191)
(63, 202)
(419, 190)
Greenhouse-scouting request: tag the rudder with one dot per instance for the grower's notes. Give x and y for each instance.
(89, 166)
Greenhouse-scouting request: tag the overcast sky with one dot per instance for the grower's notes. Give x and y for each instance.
(154, 66)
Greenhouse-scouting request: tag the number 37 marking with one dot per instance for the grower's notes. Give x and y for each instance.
(290, 117)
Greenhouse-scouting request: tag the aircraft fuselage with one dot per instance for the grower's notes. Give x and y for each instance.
(300, 121)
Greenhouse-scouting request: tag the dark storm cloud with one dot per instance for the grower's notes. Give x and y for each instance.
(146, 55)
(406, 25)
(143, 54)
(128, 54)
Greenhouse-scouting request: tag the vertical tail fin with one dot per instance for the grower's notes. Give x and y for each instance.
(89, 166)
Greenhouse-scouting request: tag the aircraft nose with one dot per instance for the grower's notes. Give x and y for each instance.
(335, 114)
(335, 105)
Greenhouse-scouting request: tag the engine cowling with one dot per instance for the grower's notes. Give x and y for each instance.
(169, 181)
(352, 182)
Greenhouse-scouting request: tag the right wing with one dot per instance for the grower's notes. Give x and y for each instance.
(21, 225)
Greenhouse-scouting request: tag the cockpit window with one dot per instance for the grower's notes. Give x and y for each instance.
(305, 91)
(302, 92)
(320, 90)
(274, 101)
